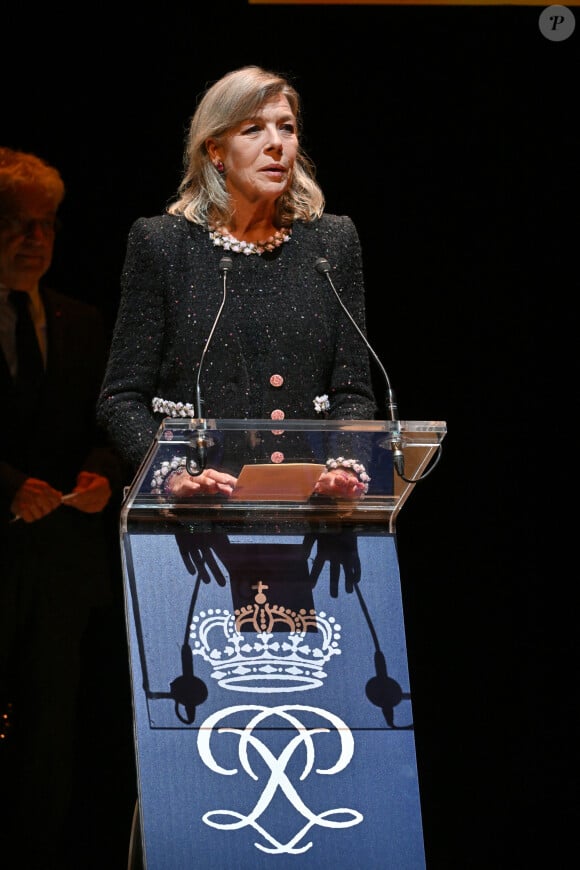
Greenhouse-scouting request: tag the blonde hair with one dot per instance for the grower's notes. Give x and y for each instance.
(202, 196)
(20, 169)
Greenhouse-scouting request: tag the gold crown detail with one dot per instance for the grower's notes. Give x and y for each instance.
(265, 647)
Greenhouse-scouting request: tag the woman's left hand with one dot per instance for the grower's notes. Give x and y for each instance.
(339, 483)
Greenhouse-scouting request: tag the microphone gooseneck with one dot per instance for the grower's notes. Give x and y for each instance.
(197, 467)
(323, 267)
(225, 265)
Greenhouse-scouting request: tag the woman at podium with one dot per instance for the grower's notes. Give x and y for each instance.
(225, 308)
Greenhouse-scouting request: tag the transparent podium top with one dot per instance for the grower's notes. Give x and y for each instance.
(277, 464)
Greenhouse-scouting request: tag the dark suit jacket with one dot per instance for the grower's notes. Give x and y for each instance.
(55, 436)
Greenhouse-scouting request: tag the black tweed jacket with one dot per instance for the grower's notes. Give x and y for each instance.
(280, 318)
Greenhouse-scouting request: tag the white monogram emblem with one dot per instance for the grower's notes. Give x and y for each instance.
(276, 766)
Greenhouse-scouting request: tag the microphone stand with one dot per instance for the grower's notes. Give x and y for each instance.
(196, 466)
(323, 267)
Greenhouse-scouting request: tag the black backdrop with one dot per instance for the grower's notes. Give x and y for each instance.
(448, 135)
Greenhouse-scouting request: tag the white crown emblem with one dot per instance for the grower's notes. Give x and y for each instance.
(250, 651)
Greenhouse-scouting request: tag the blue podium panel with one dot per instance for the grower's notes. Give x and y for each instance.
(272, 706)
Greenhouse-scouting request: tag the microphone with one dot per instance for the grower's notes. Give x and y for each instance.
(225, 265)
(195, 469)
(323, 267)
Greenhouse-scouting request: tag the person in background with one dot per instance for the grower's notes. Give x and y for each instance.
(58, 477)
(282, 347)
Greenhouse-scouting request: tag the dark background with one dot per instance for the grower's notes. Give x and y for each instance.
(448, 135)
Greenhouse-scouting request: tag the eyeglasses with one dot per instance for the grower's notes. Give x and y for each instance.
(24, 226)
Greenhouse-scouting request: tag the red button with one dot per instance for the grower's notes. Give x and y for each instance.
(277, 457)
(277, 414)
(276, 380)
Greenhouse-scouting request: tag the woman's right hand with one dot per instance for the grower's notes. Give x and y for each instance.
(209, 482)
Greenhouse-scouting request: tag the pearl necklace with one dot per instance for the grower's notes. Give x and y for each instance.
(222, 239)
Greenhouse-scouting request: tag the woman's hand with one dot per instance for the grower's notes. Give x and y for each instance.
(209, 482)
(339, 483)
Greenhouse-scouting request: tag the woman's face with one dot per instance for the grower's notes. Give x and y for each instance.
(259, 153)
